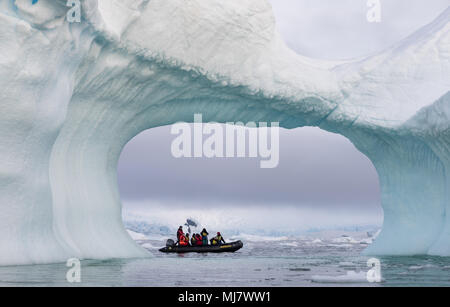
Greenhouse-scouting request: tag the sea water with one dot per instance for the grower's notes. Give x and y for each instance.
(263, 261)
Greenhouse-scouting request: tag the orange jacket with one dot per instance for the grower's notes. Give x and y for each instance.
(183, 240)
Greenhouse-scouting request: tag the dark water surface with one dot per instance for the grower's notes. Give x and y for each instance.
(287, 262)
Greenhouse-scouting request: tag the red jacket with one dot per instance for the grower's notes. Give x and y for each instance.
(179, 234)
(199, 240)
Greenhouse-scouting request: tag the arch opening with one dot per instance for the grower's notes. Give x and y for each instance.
(322, 183)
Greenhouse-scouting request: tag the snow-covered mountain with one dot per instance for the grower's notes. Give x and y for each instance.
(73, 94)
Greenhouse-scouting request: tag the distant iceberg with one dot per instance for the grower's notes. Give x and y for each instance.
(73, 94)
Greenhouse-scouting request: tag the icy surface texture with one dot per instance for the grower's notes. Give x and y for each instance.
(74, 94)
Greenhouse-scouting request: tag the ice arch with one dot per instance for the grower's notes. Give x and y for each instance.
(74, 94)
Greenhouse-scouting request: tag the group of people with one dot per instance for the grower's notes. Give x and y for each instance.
(197, 239)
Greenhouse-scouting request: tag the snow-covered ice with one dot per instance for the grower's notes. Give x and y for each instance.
(74, 94)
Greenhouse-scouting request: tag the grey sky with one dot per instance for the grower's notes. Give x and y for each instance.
(316, 168)
(337, 29)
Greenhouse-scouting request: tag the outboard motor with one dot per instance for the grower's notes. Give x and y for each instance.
(170, 243)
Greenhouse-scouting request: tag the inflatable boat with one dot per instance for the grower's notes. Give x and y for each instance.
(223, 248)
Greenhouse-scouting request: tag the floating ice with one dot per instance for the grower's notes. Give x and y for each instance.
(257, 238)
(349, 277)
(137, 236)
(290, 244)
(345, 240)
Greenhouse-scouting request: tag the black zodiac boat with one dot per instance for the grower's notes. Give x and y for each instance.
(227, 247)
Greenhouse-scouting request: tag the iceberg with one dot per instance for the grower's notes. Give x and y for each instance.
(74, 94)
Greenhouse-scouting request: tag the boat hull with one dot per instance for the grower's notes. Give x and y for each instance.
(223, 248)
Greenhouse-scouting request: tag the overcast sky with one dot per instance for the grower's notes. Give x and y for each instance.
(317, 169)
(338, 29)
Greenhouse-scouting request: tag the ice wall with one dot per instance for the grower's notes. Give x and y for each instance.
(74, 94)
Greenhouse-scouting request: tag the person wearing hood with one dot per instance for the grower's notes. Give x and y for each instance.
(179, 232)
(184, 240)
(194, 239)
(217, 240)
(204, 234)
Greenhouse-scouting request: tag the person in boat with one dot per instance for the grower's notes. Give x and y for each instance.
(187, 239)
(179, 233)
(199, 240)
(217, 240)
(204, 237)
(184, 240)
(194, 239)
